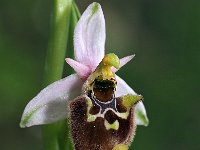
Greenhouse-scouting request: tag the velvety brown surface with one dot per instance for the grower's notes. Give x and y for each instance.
(119, 106)
(93, 135)
(94, 110)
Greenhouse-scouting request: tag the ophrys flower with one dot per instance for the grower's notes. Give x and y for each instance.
(51, 103)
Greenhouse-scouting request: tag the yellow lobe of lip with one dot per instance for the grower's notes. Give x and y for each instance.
(129, 100)
(120, 147)
(114, 125)
(90, 117)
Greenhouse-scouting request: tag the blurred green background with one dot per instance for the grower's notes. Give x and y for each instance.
(164, 35)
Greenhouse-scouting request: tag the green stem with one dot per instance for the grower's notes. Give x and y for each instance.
(75, 15)
(70, 53)
(78, 14)
(74, 20)
(61, 14)
(58, 40)
(63, 136)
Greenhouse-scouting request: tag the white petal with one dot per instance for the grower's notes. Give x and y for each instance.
(141, 115)
(89, 36)
(123, 89)
(82, 70)
(50, 104)
(123, 61)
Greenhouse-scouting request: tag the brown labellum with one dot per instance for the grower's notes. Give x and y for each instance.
(99, 120)
(96, 134)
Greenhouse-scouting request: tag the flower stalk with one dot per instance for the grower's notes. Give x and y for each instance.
(60, 23)
(75, 15)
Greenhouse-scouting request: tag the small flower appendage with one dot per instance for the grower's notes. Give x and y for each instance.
(107, 111)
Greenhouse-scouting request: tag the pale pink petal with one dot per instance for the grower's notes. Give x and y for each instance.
(89, 36)
(50, 104)
(123, 89)
(123, 61)
(82, 70)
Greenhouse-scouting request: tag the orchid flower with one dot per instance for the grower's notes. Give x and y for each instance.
(92, 68)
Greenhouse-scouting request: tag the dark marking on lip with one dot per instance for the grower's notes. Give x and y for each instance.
(110, 116)
(93, 135)
(103, 89)
(104, 106)
(95, 109)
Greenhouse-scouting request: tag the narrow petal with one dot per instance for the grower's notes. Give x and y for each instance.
(123, 89)
(50, 104)
(123, 61)
(89, 36)
(82, 70)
